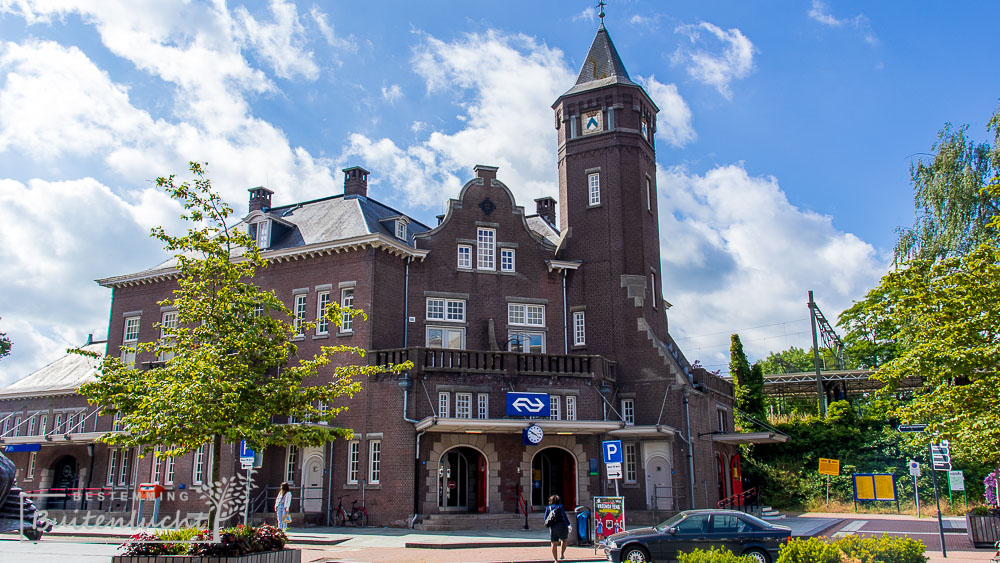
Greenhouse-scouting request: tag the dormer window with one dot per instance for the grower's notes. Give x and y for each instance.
(400, 229)
(261, 233)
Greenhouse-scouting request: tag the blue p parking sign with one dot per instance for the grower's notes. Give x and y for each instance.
(612, 451)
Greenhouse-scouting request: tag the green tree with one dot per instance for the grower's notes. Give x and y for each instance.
(5, 344)
(792, 360)
(748, 383)
(234, 368)
(952, 207)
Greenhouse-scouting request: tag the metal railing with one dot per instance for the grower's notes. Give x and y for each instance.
(484, 361)
(747, 501)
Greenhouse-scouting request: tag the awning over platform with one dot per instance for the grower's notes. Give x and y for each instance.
(650, 431)
(750, 438)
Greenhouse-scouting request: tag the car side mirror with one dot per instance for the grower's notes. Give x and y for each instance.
(672, 530)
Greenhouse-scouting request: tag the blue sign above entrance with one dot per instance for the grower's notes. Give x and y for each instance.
(22, 448)
(528, 404)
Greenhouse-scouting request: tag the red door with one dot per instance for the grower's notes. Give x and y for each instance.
(737, 479)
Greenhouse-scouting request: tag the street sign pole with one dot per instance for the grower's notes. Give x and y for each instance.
(944, 549)
(246, 506)
(828, 490)
(916, 495)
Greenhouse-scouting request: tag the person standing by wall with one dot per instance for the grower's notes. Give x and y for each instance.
(283, 504)
(557, 522)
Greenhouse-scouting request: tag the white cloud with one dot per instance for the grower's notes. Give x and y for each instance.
(279, 43)
(588, 14)
(737, 254)
(508, 123)
(326, 29)
(58, 238)
(392, 93)
(820, 12)
(673, 123)
(713, 67)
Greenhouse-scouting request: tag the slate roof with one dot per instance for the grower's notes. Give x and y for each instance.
(602, 67)
(542, 228)
(320, 221)
(64, 375)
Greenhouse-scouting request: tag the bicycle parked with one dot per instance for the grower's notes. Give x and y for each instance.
(358, 515)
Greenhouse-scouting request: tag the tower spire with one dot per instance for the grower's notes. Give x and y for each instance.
(600, 6)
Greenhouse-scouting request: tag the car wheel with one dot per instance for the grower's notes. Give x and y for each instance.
(635, 554)
(757, 555)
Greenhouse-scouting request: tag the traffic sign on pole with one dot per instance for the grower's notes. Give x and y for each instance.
(612, 451)
(911, 427)
(941, 456)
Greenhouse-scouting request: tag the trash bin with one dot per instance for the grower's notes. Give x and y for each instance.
(582, 534)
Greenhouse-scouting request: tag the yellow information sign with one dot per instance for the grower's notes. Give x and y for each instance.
(829, 466)
(877, 486)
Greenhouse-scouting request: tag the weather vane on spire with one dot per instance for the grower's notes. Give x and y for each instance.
(600, 6)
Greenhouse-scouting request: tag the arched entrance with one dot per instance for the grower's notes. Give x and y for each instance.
(659, 483)
(462, 481)
(553, 472)
(312, 484)
(64, 476)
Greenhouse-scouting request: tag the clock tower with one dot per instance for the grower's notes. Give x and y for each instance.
(608, 213)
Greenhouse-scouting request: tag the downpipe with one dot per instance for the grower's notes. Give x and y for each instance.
(690, 445)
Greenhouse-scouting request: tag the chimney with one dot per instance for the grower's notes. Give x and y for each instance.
(260, 198)
(546, 209)
(485, 172)
(356, 181)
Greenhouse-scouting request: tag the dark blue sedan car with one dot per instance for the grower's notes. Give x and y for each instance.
(736, 531)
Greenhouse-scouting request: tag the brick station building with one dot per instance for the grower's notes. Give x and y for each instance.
(492, 300)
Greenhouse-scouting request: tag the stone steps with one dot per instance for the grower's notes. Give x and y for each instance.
(768, 513)
(446, 522)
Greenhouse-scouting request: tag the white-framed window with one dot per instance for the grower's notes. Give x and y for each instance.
(168, 320)
(506, 259)
(31, 466)
(112, 466)
(631, 463)
(130, 338)
(31, 425)
(157, 465)
(291, 459)
(526, 342)
(198, 467)
(57, 424)
(653, 290)
(444, 404)
(554, 407)
(465, 257)
(17, 426)
(594, 188)
(723, 420)
(649, 195)
(483, 410)
(523, 314)
(43, 423)
(258, 311)
(263, 234)
(570, 407)
(168, 472)
(353, 460)
(445, 337)
(486, 240)
(322, 302)
(123, 476)
(628, 411)
(116, 426)
(347, 300)
(300, 314)
(579, 329)
(374, 461)
(439, 309)
(400, 229)
(463, 405)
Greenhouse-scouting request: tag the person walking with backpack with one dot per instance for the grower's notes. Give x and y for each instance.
(282, 506)
(557, 522)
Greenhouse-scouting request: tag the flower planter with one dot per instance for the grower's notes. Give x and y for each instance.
(984, 531)
(283, 556)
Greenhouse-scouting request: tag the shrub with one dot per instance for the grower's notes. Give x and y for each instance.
(812, 550)
(138, 544)
(237, 540)
(713, 555)
(854, 549)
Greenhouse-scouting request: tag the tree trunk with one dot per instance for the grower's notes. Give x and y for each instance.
(216, 452)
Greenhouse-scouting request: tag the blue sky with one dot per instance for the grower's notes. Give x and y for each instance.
(785, 134)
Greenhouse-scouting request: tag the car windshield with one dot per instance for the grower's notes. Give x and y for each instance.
(671, 522)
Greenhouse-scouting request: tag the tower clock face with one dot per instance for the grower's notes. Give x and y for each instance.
(535, 434)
